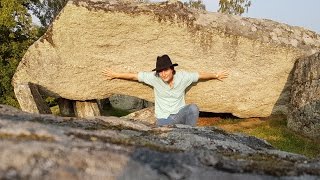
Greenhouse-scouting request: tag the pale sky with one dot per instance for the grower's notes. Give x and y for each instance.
(304, 13)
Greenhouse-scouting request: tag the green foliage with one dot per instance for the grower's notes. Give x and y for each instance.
(47, 10)
(235, 7)
(17, 33)
(51, 101)
(198, 4)
(55, 110)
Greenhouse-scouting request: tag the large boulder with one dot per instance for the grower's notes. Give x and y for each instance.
(37, 146)
(304, 110)
(89, 36)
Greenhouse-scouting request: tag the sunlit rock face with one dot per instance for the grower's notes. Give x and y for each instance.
(89, 36)
(37, 146)
(304, 111)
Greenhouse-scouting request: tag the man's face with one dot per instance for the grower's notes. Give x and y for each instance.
(166, 75)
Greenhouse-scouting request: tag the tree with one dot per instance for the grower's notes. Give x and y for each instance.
(198, 4)
(17, 33)
(236, 7)
(47, 10)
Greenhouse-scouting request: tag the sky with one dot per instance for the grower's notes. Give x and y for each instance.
(303, 13)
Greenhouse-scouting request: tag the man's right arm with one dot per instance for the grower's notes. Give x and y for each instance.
(109, 74)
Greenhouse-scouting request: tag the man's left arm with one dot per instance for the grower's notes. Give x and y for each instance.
(208, 76)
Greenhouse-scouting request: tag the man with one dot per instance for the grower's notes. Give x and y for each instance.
(169, 89)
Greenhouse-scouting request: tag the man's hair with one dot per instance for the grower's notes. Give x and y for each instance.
(157, 73)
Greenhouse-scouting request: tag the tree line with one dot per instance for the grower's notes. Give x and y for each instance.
(18, 32)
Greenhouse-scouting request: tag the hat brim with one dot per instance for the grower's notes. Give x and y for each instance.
(164, 67)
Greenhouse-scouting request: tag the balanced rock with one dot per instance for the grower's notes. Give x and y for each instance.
(89, 36)
(37, 146)
(304, 111)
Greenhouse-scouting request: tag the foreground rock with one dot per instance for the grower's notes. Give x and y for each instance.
(89, 36)
(48, 147)
(304, 113)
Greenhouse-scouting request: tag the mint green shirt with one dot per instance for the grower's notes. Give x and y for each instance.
(168, 100)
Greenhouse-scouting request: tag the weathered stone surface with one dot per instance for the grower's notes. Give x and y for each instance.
(304, 112)
(36, 146)
(86, 108)
(30, 99)
(89, 36)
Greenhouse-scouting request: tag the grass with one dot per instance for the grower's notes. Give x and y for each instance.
(275, 131)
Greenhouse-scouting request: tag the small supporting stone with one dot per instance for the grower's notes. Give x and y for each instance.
(86, 108)
(30, 99)
(66, 107)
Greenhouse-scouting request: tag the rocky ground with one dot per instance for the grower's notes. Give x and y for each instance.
(36, 146)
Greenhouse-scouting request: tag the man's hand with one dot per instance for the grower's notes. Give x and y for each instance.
(221, 75)
(109, 74)
(208, 76)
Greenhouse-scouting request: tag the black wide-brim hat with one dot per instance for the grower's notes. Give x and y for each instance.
(163, 62)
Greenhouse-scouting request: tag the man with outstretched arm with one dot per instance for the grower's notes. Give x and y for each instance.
(169, 90)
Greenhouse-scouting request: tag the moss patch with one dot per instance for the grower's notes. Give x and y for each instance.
(26, 137)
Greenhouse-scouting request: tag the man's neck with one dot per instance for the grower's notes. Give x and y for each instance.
(171, 82)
